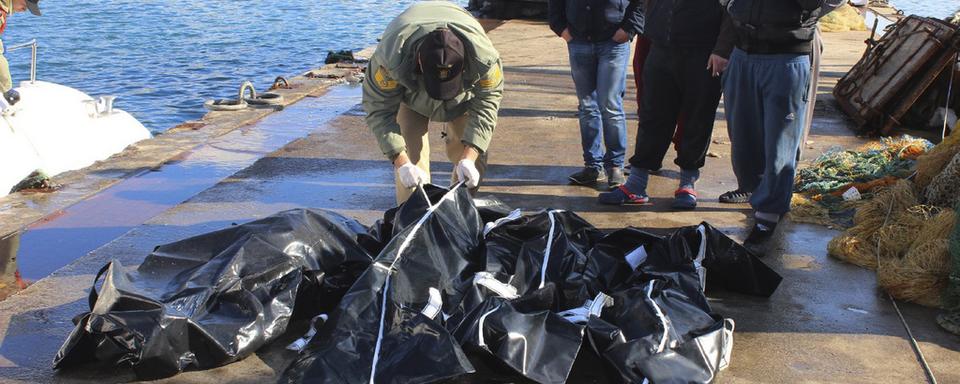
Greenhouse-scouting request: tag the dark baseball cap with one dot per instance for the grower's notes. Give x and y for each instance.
(441, 63)
(34, 6)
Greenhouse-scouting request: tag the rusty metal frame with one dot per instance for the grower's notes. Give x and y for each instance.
(874, 98)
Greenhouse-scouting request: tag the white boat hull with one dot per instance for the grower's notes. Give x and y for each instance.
(55, 129)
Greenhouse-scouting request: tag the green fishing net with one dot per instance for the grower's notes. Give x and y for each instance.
(837, 168)
(951, 297)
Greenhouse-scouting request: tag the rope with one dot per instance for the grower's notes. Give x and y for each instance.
(913, 343)
(913, 340)
(953, 71)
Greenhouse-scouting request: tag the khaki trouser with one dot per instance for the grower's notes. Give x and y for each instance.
(9, 248)
(413, 128)
(6, 82)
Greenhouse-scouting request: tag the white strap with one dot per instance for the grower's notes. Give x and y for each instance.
(590, 308)
(599, 303)
(486, 279)
(434, 305)
(483, 318)
(521, 337)
(578, 315)
(301, 343)
(726, 349)
(701, 254)
(661, 316)
(702, 251)
(546, 251)
(514, 215)
(637, 257)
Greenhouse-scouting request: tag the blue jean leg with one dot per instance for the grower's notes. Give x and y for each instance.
(599, 75)
(583, 64)
(611, 86)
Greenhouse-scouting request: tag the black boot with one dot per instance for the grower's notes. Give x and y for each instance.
(759, 238)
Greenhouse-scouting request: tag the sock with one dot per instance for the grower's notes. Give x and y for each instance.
(688, 178)
(637, 182)
(768, 217)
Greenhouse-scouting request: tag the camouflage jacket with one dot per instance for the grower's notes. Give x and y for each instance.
(392, 77)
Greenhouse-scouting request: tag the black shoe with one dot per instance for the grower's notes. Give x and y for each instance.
(615, 177)
(759, 237)
(588, 176)
(735, 197)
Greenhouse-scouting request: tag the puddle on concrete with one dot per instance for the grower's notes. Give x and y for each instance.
(800, 262)
(58, 239)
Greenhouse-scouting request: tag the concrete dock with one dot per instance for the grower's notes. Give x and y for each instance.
(828, 322)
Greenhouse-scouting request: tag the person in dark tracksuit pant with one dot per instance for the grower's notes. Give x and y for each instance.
(765, 96)
(680, 78)
(598, 35)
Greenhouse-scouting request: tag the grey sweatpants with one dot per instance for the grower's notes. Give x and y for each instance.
(765, 97)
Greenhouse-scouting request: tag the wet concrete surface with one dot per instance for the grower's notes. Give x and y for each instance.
(20, 210)
(828, 322)
(58, 239)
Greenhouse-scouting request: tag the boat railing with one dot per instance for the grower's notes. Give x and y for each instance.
(32, 44)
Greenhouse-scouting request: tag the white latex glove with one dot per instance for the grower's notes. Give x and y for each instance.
(412, 176)
(467, 172)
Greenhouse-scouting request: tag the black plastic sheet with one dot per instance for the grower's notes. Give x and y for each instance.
(724, 263)
(380, 333)
(460, 290)
(644, 316)
(216, 298)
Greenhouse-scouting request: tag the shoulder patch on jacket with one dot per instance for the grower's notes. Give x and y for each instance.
(493, 78)
(383, 80)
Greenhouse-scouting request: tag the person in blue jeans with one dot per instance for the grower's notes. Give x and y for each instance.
(765, 95)
(598, 35)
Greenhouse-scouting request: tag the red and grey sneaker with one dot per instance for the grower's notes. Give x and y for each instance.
(622, 196)
(684, 199)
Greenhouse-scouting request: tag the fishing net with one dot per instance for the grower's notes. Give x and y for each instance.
(842, 19)
(870, 169)
(920, 276)
(940, 226)
(858, 244)
(951, 296)
(944, 190)
(835, 169)
(930, 164)
(906, 242)
(854, 250)
(867, 187)
(897, 237)
(805, 210)
(871, 214)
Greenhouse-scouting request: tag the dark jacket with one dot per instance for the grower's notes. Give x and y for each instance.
(690, 24)
(777, 26)
(596, 20)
